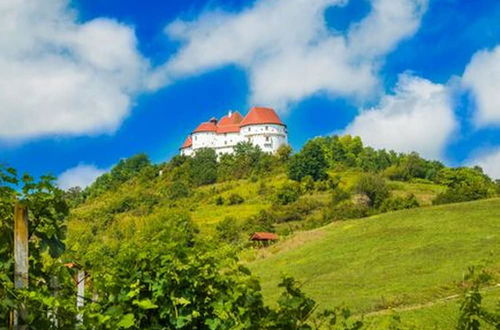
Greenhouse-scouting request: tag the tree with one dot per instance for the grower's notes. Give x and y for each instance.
(374, 187)
(463, 184)
(120, 173)
(203, 167)
(284, 152)
(309, 161)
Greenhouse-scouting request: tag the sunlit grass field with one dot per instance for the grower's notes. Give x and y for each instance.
(390, 260)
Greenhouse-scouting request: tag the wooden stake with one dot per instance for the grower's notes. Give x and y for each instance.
(80, 296)
(20, 258)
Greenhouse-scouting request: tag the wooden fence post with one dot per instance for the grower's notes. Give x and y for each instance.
(20, 259)
(80, 296)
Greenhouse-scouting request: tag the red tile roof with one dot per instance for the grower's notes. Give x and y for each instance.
(233, 119)
(259, 115)
(263, 236)
(230, 123)
(206, 127)
(188, 143)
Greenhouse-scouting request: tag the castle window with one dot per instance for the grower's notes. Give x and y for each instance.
(267, 138)
(267, 127)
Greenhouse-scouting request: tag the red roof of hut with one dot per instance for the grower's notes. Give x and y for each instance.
(263, 236)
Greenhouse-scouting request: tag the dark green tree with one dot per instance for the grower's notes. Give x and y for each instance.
(203, 167)
(309, 161)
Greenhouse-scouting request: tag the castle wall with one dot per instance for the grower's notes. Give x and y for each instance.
(269, 137)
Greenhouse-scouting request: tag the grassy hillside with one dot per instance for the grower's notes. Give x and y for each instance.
(396, 259)
(406, 260)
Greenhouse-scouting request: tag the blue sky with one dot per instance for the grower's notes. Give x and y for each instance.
(114, 78)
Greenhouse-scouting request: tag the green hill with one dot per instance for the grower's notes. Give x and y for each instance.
(398, 259)
(412, 260)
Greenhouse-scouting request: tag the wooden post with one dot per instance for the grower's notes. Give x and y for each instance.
(80, 295)
(20, 258)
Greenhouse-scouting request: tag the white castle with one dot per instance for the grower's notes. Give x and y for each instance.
(261, 127)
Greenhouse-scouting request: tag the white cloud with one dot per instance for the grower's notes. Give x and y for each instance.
(417, 117)
(482, 76)
(79, 176)
(288, 50)
(489, 161)
(59, 76)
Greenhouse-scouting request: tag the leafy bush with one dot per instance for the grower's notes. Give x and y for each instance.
(263, 221)
(219, 200)
(339, 195)
(463, 184)
(283, 153)
(374, 187)
(47, 212)
(472, 313)
(263, 189)
(399, 203)
(347, 210)
(307, 183)
(297, 210)
(287, 193)
(228, 230)
(178, 189)
(235, 199)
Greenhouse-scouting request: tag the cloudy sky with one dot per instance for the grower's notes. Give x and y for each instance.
(85, 83)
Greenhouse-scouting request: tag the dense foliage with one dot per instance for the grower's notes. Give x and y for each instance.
(47, 211)
(464, 184)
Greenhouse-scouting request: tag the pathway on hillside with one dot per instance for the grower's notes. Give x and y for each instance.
(427, 304)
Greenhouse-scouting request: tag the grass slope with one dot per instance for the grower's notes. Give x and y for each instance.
(395, 259)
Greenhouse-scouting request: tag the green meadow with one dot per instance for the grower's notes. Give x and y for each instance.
(411, 258)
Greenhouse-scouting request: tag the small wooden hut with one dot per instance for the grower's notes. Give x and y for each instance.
(264, 238)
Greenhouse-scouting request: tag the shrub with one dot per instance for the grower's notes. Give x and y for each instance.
(228, 230)
(349, 210)
(339, 195)
(235, 199)
(262, 189)
(374, 187)
(178, 189)
(219, 200)
(287, 193)
(296, 210)
(464, 184)
(307, 183)
(399, 203)
(263, 221)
